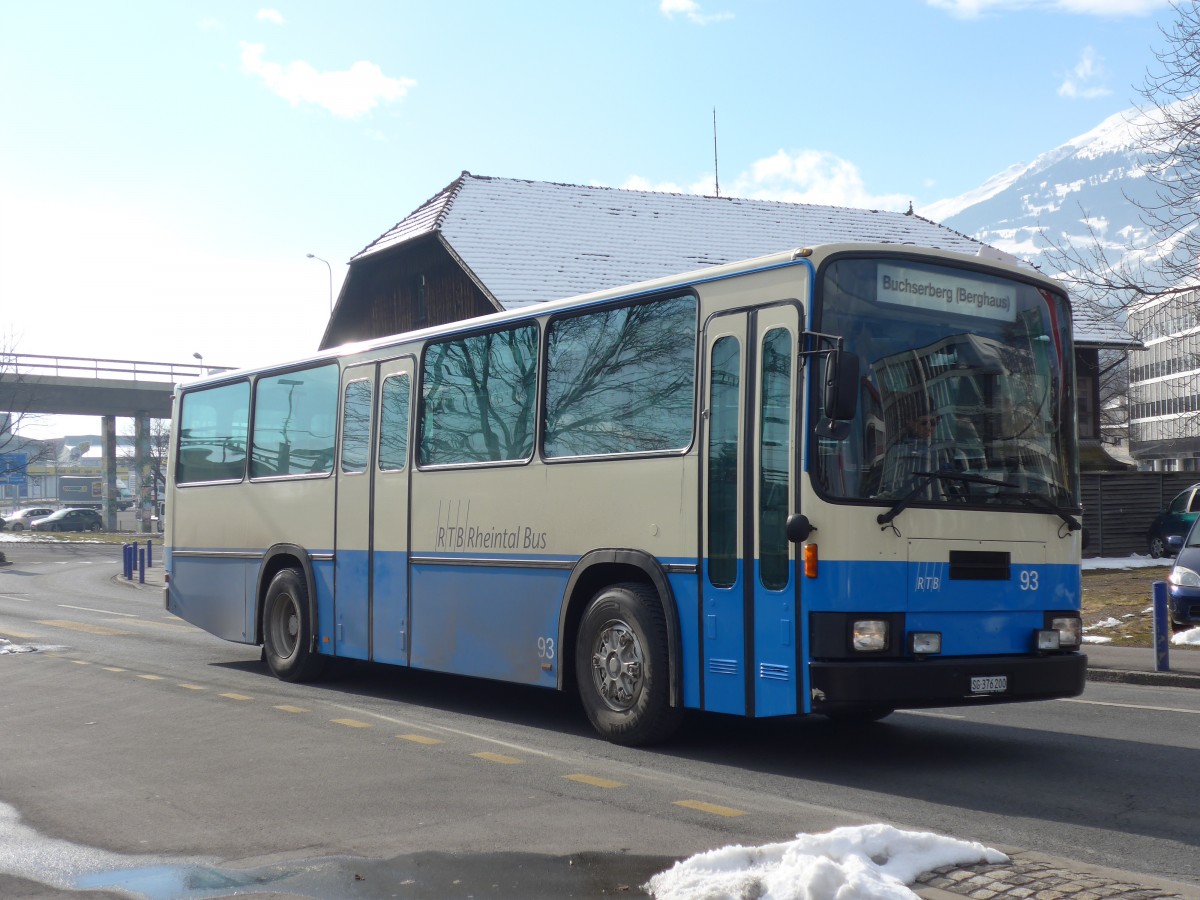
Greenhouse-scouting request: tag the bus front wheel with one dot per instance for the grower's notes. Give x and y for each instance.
(621, 666)
(287, 631)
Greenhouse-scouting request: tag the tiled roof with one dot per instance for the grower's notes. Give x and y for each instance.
(531, 241)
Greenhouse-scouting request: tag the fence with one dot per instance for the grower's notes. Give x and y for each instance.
(1119, 506)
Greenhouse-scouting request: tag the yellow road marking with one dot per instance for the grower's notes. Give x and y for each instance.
(291, 709)
(151, 677)
(497, 758)
(81, 662)
(727, 811)
(351, 723)
(233, 696)
(143, 623)
(81, 626)
(24, 636)
(594, 781)
(419, 739)
(192, 687)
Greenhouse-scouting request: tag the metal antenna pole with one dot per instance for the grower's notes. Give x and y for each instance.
(716, 169)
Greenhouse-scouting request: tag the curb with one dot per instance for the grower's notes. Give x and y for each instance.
(1159, 679)
(1030, 875)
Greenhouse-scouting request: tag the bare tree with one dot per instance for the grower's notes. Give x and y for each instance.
(1160, 259)
(1150, 279)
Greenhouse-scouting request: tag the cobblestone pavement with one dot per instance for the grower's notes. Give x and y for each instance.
(1026, 878)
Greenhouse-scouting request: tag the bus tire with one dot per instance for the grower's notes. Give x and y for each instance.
(622, 666)
(287, 631)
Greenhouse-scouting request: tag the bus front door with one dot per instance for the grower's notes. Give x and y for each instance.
(371, 545)
(751, 659)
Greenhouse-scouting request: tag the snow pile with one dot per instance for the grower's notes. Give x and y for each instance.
(1137, 561)
(870, 862)
(1189, 638)
(10, 647)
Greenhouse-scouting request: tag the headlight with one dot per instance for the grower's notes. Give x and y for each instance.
(925, 643)
(1182, 576)
(869, 636)
(1070, 630)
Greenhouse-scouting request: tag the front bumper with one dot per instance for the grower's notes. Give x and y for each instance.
(1185, 605)
(917, 684)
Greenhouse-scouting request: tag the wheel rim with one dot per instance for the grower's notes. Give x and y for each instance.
(284, 626)
(618, 665)
(1157, 547)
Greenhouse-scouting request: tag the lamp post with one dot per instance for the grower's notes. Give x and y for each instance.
(200, 356)
(330, 268)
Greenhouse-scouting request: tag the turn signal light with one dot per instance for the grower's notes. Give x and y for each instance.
(810, 560)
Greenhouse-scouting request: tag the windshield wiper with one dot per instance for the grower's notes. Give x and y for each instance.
(926, 479)
(1027, 497)
(1032, 499)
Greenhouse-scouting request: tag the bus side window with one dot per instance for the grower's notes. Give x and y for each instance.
(393, 423)
(294, 415)
(479, 394)
(212, 434)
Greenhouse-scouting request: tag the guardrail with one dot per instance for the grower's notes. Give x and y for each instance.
(79, 366)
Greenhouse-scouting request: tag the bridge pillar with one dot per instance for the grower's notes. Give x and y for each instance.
(145, 472)
(108, 443)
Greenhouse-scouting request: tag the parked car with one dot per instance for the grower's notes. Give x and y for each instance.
(20, 520)
(69, 520)
(1166, 533)
(1183, 584)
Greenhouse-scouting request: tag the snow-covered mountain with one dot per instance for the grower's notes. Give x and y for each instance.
(1058, 197)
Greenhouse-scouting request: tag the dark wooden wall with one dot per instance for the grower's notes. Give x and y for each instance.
(418, 287)
(1119, 506)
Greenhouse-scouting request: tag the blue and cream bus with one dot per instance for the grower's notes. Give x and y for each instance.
(704, 492)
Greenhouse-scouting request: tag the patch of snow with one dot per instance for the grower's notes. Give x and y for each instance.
(1125, 562)
(1189, 638)
(869, 862)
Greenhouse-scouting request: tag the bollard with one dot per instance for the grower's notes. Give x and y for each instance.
(1162, 628)
(126, 562)
(149, 553)
(141, 566)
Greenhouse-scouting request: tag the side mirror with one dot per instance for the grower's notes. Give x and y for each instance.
(841, 385)
(798, 528)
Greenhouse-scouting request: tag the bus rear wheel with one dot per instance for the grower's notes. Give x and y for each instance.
(621, 666)
(287, 631)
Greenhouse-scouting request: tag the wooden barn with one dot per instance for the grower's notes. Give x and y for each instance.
(481, 245)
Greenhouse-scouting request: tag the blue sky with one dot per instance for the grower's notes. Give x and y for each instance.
(165, 167)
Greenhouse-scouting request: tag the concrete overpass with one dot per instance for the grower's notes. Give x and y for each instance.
(107, 388)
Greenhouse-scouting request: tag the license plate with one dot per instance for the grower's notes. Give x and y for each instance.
(989, 684)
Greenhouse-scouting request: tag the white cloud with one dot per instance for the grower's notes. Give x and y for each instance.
(971, 9)
(348, 94)
(274, 16)
(690, 9)
(805, 176)
(810, 176)
(1083, 80)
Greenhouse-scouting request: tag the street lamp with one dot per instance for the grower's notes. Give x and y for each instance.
(200, 356)
(330, 268)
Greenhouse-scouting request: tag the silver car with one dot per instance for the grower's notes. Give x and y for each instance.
(19, 521)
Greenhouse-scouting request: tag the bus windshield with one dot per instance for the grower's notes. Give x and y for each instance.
(965, 389)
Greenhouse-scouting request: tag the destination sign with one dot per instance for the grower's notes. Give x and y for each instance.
(944, 292)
